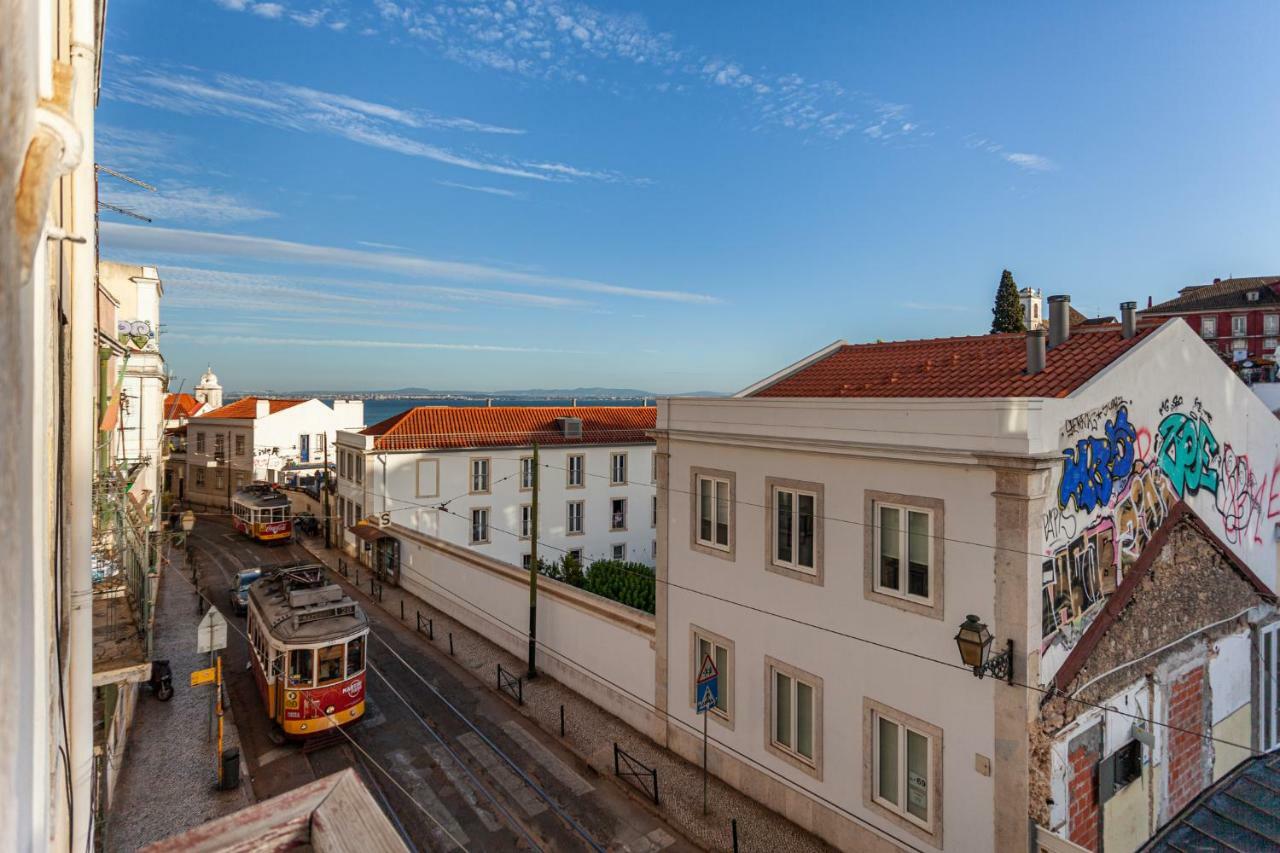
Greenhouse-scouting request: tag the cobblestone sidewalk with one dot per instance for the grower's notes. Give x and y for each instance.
(168, 783)
(591, 733)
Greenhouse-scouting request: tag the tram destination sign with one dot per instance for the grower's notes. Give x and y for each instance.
(212, 633)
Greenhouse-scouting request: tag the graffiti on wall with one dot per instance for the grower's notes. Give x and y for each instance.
(1117, 484)
(137, 333)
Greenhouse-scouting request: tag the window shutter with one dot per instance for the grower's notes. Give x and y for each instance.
(1106, 779)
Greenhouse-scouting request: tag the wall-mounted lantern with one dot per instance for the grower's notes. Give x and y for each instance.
(974, 641)
(188, 521)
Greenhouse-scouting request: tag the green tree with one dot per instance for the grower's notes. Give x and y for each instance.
(1006, 316)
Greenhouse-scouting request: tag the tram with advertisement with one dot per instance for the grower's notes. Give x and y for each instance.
(308, 641)
(262, 511)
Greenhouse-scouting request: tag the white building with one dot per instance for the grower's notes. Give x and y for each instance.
(209, 392)
(256, 438)
(465, 476)
(827, 531)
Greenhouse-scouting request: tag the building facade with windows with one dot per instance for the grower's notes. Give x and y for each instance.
(466, 476)
(1237, 317)
(257, 438)
(827, 531)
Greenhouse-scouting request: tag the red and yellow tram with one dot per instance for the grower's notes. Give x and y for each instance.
(307, 642)
(261, 511)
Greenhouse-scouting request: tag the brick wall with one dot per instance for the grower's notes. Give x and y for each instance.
(1186, 745)
(1084, 823)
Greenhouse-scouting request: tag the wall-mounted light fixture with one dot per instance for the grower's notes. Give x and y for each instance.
(974, 641)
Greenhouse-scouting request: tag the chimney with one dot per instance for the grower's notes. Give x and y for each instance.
(1059, 320)
(1129, 319)
(1035, 351)
(262, 407)
(573, 402)
(488, 402)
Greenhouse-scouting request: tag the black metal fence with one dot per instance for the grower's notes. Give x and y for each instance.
(635, 772)
(512, 684)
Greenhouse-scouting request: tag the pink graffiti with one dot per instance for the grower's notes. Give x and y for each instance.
(1239, 498)
(1273, 495)
(1142, 444)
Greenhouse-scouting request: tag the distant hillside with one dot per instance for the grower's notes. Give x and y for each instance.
(594, 394)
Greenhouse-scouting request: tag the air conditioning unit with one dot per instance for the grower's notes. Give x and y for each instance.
(570, 427)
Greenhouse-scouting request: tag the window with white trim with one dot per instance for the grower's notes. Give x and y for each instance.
(573, 521)
(794, 532)
(217, 479)
(1270, 343)
(1208, 327)
(795, 714)
(480, 475)
(525, 561)
(903, 549)
(359, 467)
(575, 554)
(902, 768)
(479, 525)
(575, 469)
(526, 521)
(219, 445)
(619, 551)
(526, 473)
(653, 467)
(1271, 324)
(1239, 324)
(714, 507)
(200, 442)
(240, 445)
(617, 469)
(618, 514)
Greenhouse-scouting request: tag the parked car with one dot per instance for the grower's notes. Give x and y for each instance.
(239, 592)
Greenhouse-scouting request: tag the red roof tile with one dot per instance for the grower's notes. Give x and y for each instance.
(180, 406)
(452, 427)
(979, 366)
(246, 408)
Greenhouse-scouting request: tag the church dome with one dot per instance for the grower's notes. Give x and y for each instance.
(209, 379)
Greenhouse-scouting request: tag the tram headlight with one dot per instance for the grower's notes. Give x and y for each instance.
(329, 710)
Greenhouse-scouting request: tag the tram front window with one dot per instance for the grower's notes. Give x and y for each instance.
(355, 656)
(329, 660)
(300, 668)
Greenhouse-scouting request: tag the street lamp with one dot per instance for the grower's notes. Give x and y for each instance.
(974, 641)
(188, 521)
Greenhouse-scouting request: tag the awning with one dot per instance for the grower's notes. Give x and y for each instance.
(367, 532)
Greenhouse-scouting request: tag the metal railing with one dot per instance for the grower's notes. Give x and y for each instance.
(511, 684)
(629, 767)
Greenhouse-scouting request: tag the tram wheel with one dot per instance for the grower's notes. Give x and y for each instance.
(275, 734)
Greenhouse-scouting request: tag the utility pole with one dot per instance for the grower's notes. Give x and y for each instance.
(324, 489)
(226, 454)
(533, 570)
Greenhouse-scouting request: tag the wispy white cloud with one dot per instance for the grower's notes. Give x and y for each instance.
(182, 242)
(475, 189)
(275, 341)
(1030, 162)
(186, 204)
(308, 110)
(267, 10)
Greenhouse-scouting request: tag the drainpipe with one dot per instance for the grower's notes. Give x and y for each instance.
(81, 429)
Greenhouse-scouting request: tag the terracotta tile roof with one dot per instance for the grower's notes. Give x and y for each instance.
(1225, 295)
(180, 406)
(452, 427)
(246, 408)
(978, 366)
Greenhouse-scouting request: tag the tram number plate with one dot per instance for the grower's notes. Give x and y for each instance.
(204, 676)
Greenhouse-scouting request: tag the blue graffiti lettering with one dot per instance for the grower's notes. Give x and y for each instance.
(1187, 453)
(1096, 466)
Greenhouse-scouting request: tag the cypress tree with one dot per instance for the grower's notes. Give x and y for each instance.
(1006, 316)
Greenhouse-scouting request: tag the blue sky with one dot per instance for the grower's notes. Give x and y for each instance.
(670, 196)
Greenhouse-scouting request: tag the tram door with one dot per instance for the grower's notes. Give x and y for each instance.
(386, 560)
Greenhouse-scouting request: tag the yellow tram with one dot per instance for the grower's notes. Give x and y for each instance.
(261, 511)
(307, 643)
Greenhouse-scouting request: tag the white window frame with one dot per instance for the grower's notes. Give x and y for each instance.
(904, 553)
(526, 473)
(1271, 324)
(239, 444)
(613, 520)
(576, 554)
(200, 442)
(773, 668)
(359, 467)
(725, 675)
(716, 482)
(526, 521)
(1269, 687)
(219, 444)
(569, 517)
(479, 475)
(618, 460)
(1239, 344)
(795, 565)
(616, 547)
(1239, 325)
(570, 481)
(483, 512)
(900, 808)
(1208, 327)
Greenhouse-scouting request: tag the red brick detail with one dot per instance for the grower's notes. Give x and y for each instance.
(1082, 797)
(1187, 726)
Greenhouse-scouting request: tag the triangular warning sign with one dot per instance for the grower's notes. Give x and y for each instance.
(708, 670)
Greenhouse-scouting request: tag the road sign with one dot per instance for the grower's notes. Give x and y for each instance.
(204, 676)
(212, 633)
(708, 689)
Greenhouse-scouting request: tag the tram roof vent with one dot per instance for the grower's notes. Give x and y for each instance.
(324, 611)
(319, 595)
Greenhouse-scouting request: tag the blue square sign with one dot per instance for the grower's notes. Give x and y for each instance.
(708, 686)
